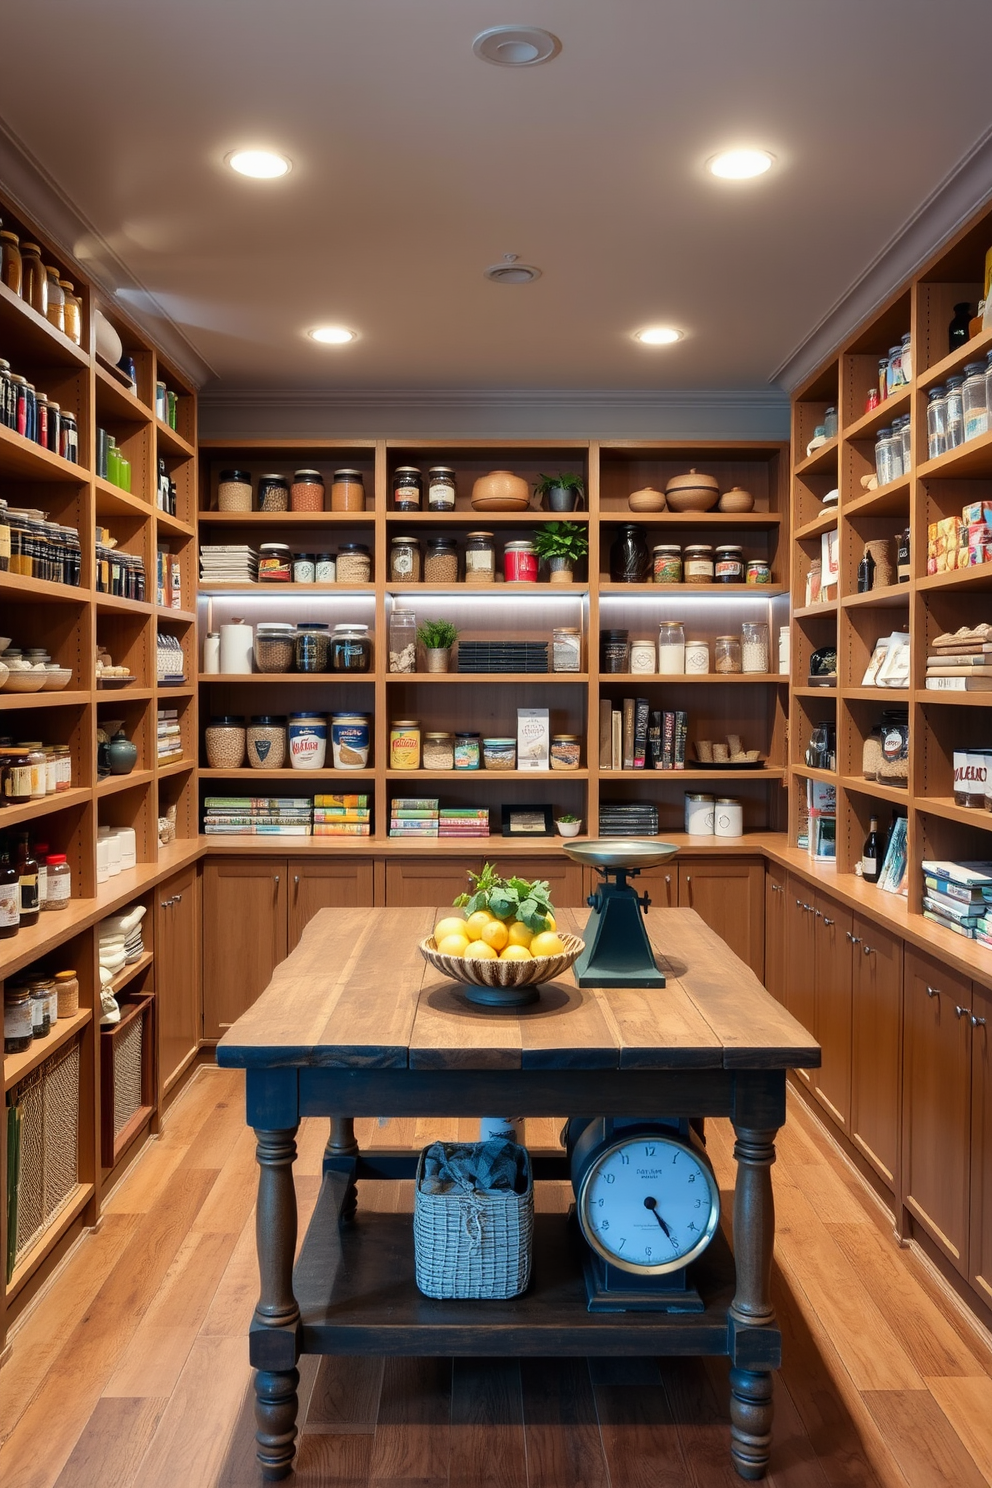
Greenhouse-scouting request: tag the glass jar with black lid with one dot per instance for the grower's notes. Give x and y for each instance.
(351, 648)
(614, 651)
(408, 488)
(273, 493)
(441, 488)
(312, 646)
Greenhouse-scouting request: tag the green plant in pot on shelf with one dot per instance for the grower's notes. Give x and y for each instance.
(568, 825)
(560, 492)
(437, 638)
(561, 545)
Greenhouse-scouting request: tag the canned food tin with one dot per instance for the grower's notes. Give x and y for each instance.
(404, 744)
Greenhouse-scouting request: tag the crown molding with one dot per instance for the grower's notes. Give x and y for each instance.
(962, 193)
(34, 192)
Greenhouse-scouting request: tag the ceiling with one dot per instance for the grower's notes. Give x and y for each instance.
(416, 165)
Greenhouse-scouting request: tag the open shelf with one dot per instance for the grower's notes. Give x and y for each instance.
(16, 1066)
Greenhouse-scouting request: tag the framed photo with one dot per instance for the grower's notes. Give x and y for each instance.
(528, 821)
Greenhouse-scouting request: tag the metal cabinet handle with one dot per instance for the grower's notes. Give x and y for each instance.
(854, 939)
(826, 921)
(977, 1022)
(177, 899)
(933, 991)
(962, 1012)
(276, 878)
(296, 878)
(817, 912)
(868, 950)
(165, 903)
(777, 889)
(668, 878)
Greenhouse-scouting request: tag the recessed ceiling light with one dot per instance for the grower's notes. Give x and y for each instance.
(512, 271)
(740, 165)
(658, 336)
(516, 46)
(261, 165)
(333, 335)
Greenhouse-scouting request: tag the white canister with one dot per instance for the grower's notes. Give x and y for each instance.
(697, 657)
(728, 817)
(307, 738)
(102, 859)
(699, 814)
(237, 642)
(129, 846)
(642, 656)
(211, 653)
(784, 653)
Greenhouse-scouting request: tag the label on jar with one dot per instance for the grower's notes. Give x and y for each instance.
(18, 1019)
(478, 560)
(10, 905)
(270, 569)
(349, 656)
(260, 748)
(406, 496)
(894, 744)
(17, 782)
(698, 568)
(466, 754)
(404, 749)
(520, 568)
(402, 562)
(869, 867)
(57, 888)
(758, 573)
(730, 570)
(350, 743)
(441, 496)
(324, 572)
(642, 656)
(29, 893)
(307, 745)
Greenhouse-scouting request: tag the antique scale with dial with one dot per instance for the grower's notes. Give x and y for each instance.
(646, 1201)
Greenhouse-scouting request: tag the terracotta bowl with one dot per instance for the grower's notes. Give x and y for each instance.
(503, 973)
(500, 490)
(646, 500)
(736, 500)
(692, 492)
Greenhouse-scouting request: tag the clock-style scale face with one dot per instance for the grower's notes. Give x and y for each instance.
(648, 1204)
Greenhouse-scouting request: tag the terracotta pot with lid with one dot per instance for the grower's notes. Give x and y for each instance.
(692, 492)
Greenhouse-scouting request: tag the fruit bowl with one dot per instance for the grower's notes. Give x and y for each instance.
(498, 983)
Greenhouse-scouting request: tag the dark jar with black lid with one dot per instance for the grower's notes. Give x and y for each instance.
(630, 561)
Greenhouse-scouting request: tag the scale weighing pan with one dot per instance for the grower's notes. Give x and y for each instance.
(618, 952)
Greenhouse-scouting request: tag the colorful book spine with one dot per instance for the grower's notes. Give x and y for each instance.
(349, 802)
(641, 712)
(342, 829)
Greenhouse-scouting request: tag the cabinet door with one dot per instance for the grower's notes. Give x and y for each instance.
(937, 1102)
(244, 935)
(327, 883)
(799, 939)
(412, 881)
(177, 973)
(832, 930)
(729, 894)
(775, 918)
(981, 1144)
(876, 1047)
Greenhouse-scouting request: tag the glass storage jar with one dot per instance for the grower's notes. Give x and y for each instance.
(408, 487)
(351, 648)
(441, 562)
(754, 646)
(347, 491)
(234, 491)
(67, 993)
(274, 646)
(34, 280)
(564, 752)
(667, 563)
(468, 751)
(727, 654)
(354, 565)
(324, 568)
(10, 261)
(18, 1022)
(402, 640)
(225, 740)
(566, 649)
(758, 572)
(273, 493)
(614, 651)
(439, 751)
(499, 754)
(266, 741)
(671, 647)
(729, 564)
(936, 422)
(520, 563)
(404, 560)
(955, 412)
(480, 558)
(275, 563)
(304, 568)
(55, 309)
(871, 753)
(698, 564)
(306, 494)
(973, 400)
(312, 646)
(441, 488)
(630, 562)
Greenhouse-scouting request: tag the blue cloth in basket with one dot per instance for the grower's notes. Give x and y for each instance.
(474, 1167)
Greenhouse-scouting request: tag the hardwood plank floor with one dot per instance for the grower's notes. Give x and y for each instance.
(131, 1370)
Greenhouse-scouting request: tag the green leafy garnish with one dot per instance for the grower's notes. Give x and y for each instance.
(509, 899)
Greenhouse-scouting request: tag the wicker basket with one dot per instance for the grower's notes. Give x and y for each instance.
(126, 1075)
(48, 1100)
(473, 1245)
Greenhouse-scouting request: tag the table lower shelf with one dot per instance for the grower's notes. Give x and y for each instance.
(357, 1294)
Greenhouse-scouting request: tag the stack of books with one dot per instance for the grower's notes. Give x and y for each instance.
(962, 661)
(503, 656)
(168, 579)
(631, 737)
(463, 821)
(414, 816)
(959, 897)
(228, 564)
(170, 745)
(341, 816)
(628, 819)
(257, 816)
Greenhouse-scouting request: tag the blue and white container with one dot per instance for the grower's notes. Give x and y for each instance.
(307, 734)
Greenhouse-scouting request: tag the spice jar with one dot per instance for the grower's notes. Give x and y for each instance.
(266, 740)
(354, 565)
(67, 993)
(18, 1022)
(439, 751)
(306, 736)
(306, 494)
(630, 562)
(274, 646)
(312, 647)
(350, 740)
(565, 751)
(499, 754)
(667, 563)
(758, 571)
(566, 649)
(754, 646)
(671, 648)
(34, 280)
(347, 491)
(441, 563)
(10, 261)
(698, 565)
(614, 651)
(729, 565)
(480, 558)
(44, 1005)
(404, 560)
(55, 308)
(275, 563)
(324, 568)
(520, 563)
(273, 493)
(225, 741)
(468, 753)
(234, 491)
(408, 488)
(16, 777)
(642, 656)
(441, 488)
(404, 744)
(304, 568)
(351, 648)
(727, 654)
(402, 640)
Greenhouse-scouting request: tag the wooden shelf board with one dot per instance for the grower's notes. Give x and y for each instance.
(979, 577)
(696, 591)
(16, 1066)
(827, 607)
(129, 973)
(50, 1237)
(172, 443)
(113, 784)
(297, 778)
(27, 334)
(17, 586)
(969, 460)
(820, 459)
(109, 694)
(288, 447)
(953, 699)
(893, 793)
(411, 776)
(287, 519)
(870, 694)
(555, 591)
(894, 406)
(762, 520)
(61, 801)
(675, 777)
(256, 591)
(888, 597)
(25, 460)
(581, 678)
(112, 501)
(885, 501)
(167, 524)
(306, 678)
(947, 807)
(181, 617)
(974, 350)
(462, 518)
(115, 603)
(719, 679)
(9, 701)
(118, 399)
(814, 692)
(828, 777)
(174, 767)
(824, 522)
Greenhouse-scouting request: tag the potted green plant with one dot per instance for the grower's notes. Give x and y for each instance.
(561, 545)
(437, 638)
(568, 825)
(560, 492)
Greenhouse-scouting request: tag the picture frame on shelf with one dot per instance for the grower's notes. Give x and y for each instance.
(527, 821)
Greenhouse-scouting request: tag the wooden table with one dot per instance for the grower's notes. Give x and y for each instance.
(355, 1023)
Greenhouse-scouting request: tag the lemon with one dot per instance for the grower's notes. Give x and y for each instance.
(552, 922)
(475, 922)
(546, 944)
(495, 934)
(520, 935)
(450, 925)
(452, 945)
(515, 952)
(480, 951)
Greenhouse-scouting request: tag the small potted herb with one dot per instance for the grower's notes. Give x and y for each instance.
(561, 545)
(437, 638)
(560, 492)
(568, 825)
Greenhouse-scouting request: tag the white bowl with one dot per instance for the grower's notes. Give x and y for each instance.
(4, 643)
(26, 681)
(56, 678)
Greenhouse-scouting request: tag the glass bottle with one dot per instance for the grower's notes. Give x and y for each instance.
(27, 874)
(957, 331)
(402, 640)
(55, 308)
(754, 646)
(34, 280)
(870, 865)
(830, 423)
(10, 261)
(866, 572)
(907, 357)
(10, 895)
(955, 412)
(905, 434)
(937, 421)
(630, 561)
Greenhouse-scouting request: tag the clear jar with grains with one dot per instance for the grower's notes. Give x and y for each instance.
(871, 753)
(55, 310)
(34, 280)
(439, 751)
(67, 992)
(273, 493)
(405, 565)
(441, 488)
(274, 646)
(234, 491)
(306, 494)
(698, 566)
(73, 312)
(667, 563)
(347, 491)
(354, 565)
(566, 648)
(973, 396)
(225, 742)
(565, 751)
(351, 648)
(18, 1022)
(324, 569)
(480, 558)
(499, 754)
(304, 568)
(441, 563)
(10, 261)
(754, 646)
(266, 740)
(727, 654)
(402, 640)
(313, 647)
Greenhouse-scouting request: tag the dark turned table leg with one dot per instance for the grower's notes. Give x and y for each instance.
(274, 1345)
(754, 1239)
(341, 1154)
